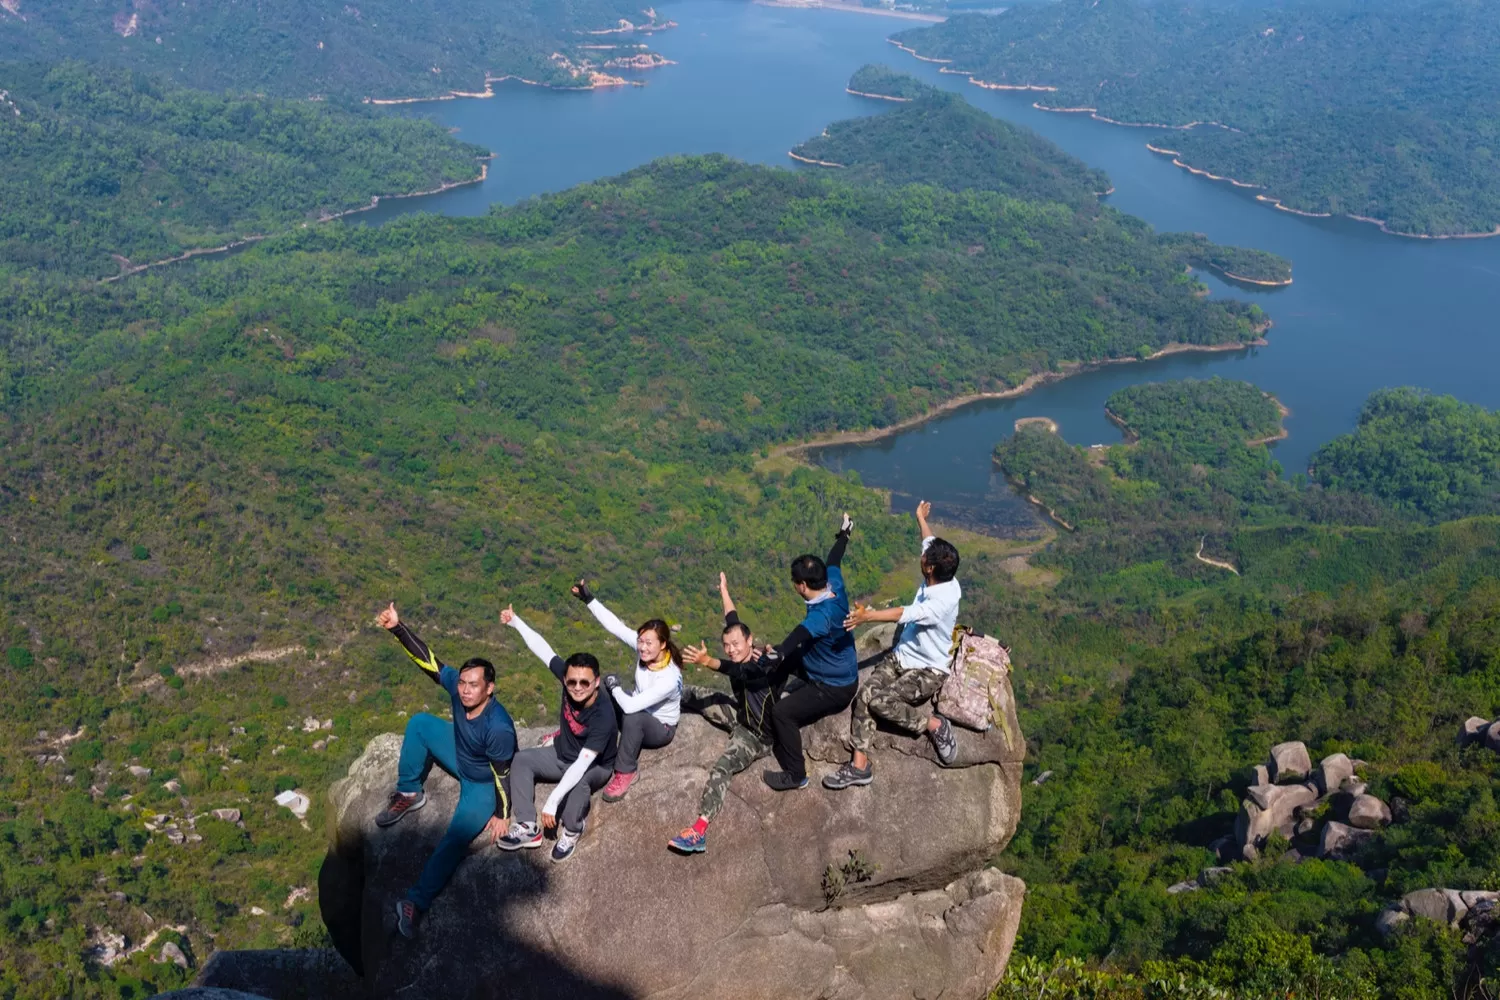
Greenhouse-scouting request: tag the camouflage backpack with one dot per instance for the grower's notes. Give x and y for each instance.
(971, 693)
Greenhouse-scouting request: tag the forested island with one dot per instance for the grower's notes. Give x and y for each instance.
(1378, 112)
(386, 49)
(107, 170)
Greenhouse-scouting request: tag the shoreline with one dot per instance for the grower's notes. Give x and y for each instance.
(375, 200)
(853, 8)
(1034, 381)
(816, 163)
(878, 97)
(1045, 423)
(1272, 201)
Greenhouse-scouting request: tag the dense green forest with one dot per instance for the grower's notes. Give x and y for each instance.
(1430, 457)
(105, 169)
(880, 80)
(304, 48)
(1235, 263)
(1377, 110)
(1321, 616)
(250, 454)
(939, 138)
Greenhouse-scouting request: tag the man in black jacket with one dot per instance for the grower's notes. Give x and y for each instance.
(755, 678)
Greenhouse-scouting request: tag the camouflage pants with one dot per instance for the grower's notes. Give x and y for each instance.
(715, 706)
(745, 748)
(900, 697)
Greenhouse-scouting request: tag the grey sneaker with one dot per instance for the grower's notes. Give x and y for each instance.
(848, 776)
(944, 742)
(399, 806)
(567, 841)
(406, 918)
(520, 835)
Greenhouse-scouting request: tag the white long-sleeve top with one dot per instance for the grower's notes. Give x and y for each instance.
(927, 624)
(658, 689)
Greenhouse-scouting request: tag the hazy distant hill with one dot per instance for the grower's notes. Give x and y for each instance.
(1384, 111)
(379, 48)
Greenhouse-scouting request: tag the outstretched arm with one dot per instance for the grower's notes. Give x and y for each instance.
(836, 554)
(606, 617)
(421, 655)
(923, 509)
(533, 640)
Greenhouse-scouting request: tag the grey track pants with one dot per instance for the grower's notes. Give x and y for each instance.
(541, 764)
(640, 730)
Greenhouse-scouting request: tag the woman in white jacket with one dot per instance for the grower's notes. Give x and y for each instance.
(649, 714)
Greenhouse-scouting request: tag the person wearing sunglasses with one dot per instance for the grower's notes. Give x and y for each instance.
(580, 759)
(476, 748)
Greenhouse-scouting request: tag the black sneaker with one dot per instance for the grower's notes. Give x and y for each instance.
(848, 776)
(399, 806)
(944, 742)
(406, 918)
(783, 782)
(567, 842)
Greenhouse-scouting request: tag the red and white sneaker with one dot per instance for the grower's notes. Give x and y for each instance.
(618, 786)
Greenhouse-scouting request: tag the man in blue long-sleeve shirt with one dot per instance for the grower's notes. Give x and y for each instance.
(476, 748)
(830, 666)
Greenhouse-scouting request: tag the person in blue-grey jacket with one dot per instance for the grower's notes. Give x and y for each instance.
(476, 748)
(829, 667)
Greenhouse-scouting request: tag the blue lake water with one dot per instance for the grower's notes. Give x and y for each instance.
(1365, 311)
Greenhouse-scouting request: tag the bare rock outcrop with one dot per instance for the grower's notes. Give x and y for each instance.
(1287, 796)
(755, 917)
(1445, 906)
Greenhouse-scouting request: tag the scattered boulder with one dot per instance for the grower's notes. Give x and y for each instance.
(1179, 887)
(1289, 762)
(1472, 731)
(170, 952)
(1340, 840)
(138, 771)
(1445, 906)
(227, 815)
(1333, 771)
(1367, 812)
(174, 786)
(930, 920)
(1041, 779)
(295, 801)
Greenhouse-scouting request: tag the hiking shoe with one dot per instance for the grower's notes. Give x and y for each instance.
(399, 806)
(848, 776)
(520, 835)
(618, 786)
(689, 841)
(783, 782)
(944, 742)
(566, 842)
(407, 916)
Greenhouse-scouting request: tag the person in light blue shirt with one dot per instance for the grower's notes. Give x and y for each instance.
(829, 665)
(904, 681)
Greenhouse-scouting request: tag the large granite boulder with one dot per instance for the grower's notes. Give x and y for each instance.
(755, 917)
(1289, 762)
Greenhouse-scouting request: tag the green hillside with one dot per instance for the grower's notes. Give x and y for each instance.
(1376, 110)
(302, 48)
(109, 169)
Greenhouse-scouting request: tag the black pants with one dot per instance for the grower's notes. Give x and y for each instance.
(802, 707)
(638, 730)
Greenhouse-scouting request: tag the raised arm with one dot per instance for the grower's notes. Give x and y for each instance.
(923, 509)
(726, 599)
(606, 617)
(836, 554)
(415, 648)
(533, 640)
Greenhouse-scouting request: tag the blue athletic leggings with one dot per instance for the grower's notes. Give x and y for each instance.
(430, 739)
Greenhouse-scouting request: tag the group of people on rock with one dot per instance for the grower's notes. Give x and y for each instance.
(775, 690)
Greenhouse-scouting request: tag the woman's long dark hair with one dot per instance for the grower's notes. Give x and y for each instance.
(664, 633)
